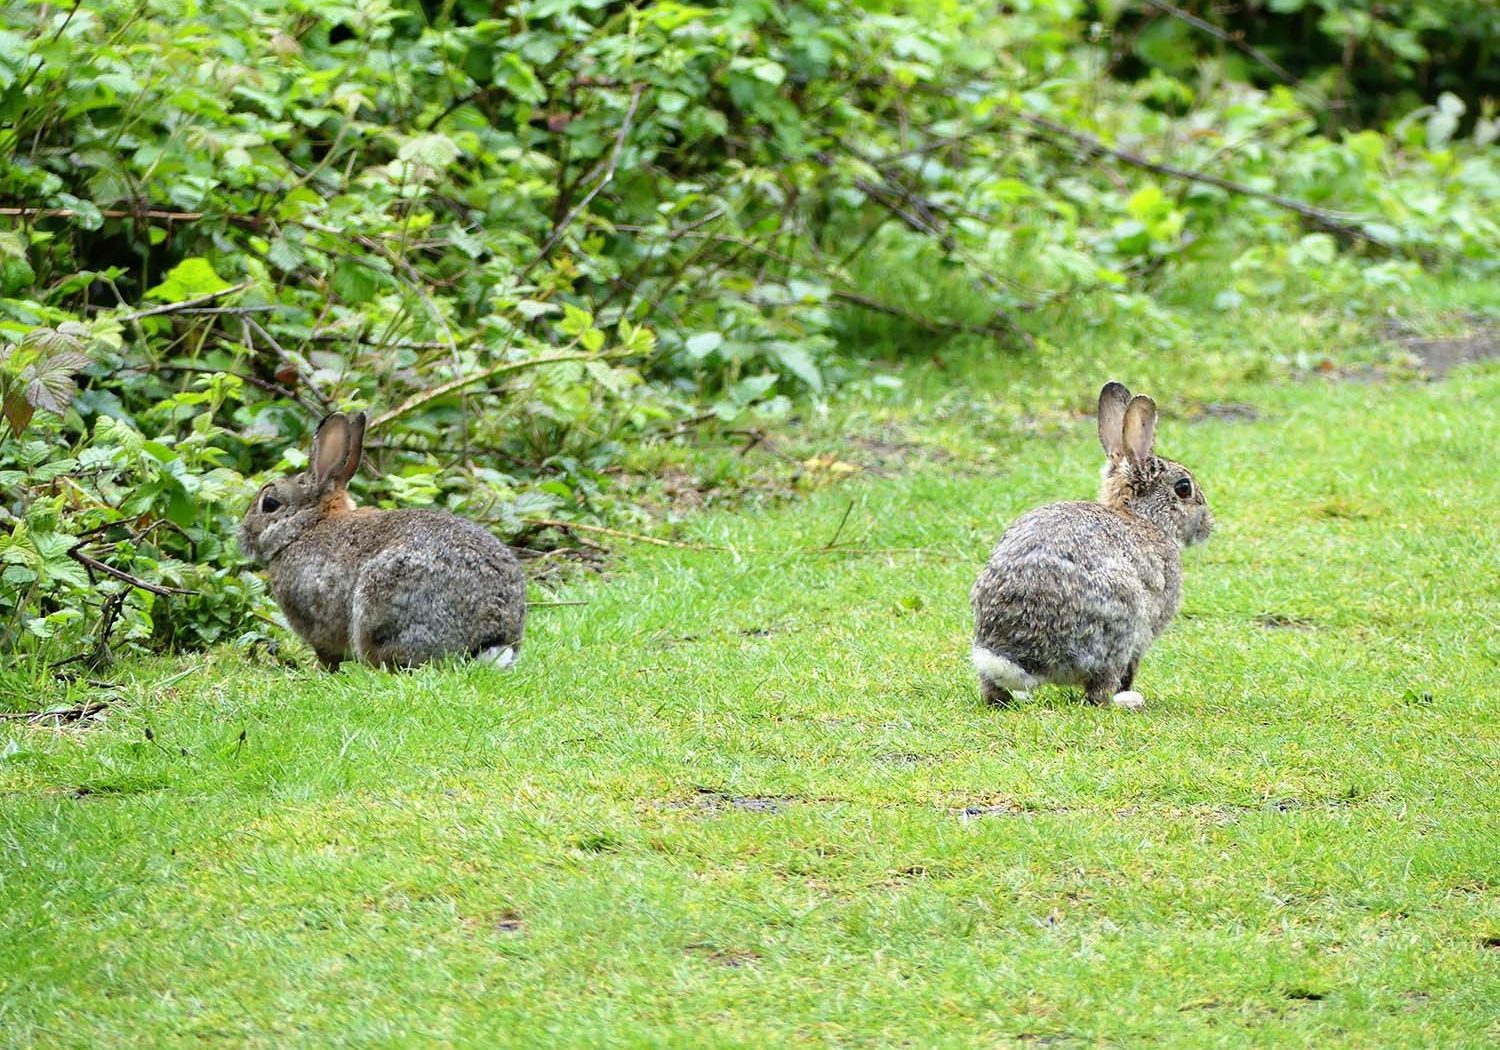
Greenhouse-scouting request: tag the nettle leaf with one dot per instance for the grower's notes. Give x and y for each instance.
(701, 344)
(800, 363)
(432, 151)
(70, 336)
(51, 383)
(516, 77)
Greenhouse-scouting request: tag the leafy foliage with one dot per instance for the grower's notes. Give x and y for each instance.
(531, 240)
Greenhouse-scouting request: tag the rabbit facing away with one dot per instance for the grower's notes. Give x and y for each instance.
(1076, 592)
(392, 588)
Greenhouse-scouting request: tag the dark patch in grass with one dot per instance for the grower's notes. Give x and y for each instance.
(1343, 508)
(598, 843)
(1046, 1038)
(1305, 995)
(1441, 356)
(1490, 940)
(1274, 621)
(731, 957)
(1223, 411)
(1200, 1004)
(81, 716)
(509, 922)
(672, 492)
(889, 452)
(1433, 358)
(128, 786)
(712, 800)
(904, 758)
(664, 641)
(1006, 809)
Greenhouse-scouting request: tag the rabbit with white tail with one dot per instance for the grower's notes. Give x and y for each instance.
(391, 588)
(1076, 592)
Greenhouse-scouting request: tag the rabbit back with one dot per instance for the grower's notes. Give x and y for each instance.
(1074, 591)
(399, 588)
(436, 585)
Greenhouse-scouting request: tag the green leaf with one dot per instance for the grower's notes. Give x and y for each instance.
(434, 151)
(797, 361)
(516, 77)
(51, 383)
(17, 411)
(702, 344)
(189, 279)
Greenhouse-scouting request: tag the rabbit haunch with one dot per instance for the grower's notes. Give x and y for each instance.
(1075, 593)
(392, 588)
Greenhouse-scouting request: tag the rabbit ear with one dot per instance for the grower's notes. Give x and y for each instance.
(1112, 401)
(331, 449)
(1140, 428)
(356, 448)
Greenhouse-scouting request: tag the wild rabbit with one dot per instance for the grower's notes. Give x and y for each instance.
(392, 588)
(1075, 593)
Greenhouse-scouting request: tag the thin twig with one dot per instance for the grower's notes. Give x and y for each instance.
(840, 530)
(444, 389)
(252, 323)
(1317, 216)
(608, 176)
(1235, 41)
(135, 581)
(186, 304)
(252, 221)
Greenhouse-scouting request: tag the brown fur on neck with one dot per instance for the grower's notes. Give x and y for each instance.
(1122, 481)
(338, 502)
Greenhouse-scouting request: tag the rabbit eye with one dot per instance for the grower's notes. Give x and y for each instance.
(269, 504)
(1183, 488)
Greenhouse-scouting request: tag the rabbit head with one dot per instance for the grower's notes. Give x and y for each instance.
(285, 509)
(1159, 490)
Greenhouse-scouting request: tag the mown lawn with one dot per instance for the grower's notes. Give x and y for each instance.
(750, 797)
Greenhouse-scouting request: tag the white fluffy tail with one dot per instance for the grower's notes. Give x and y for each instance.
(499, 657)
(997, 670)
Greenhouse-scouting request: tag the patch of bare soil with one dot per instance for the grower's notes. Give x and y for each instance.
(1222, 412)
(711, 800)
(1431, 358)
(889, 451)
(1441, 356)
(732, 957)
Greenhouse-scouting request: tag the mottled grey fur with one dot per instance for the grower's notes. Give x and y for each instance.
(392, 588)
(1075, 593)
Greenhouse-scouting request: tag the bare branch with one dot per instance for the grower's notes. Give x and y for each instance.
(1317, 216)
(608, 176)
(1235, 41)
(186, 304)
(418, 400)
(135, 581)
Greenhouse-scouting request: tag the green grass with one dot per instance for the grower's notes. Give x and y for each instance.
(723, 802)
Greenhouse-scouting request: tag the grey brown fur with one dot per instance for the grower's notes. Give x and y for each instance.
(1075, 593)
(392, 588)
